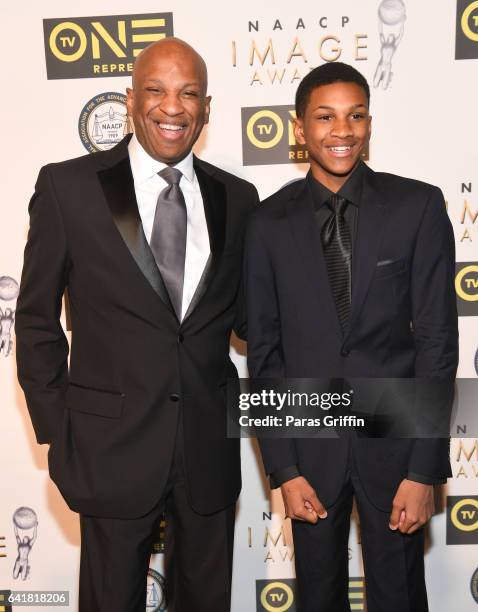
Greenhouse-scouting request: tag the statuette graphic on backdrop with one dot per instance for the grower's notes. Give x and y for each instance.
(391, 23)
(25, 523)
(8, 292)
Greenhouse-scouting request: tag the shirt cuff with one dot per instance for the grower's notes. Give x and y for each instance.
(428, 480)
(282, 475)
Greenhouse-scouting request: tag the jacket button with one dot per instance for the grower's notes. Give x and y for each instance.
(174, 397)
(345, 352)
(180, 339)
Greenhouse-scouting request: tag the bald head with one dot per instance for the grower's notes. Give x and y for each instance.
(173, 48)
(168, 101)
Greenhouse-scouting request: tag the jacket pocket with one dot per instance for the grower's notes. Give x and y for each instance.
(94, 401)
(384, 269)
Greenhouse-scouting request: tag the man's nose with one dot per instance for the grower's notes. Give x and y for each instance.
(171, 104)
(341, 128)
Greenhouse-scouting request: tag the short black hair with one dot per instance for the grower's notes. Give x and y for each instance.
(331, 72)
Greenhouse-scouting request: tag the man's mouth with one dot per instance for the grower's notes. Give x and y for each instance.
(340, 150)
(171, 127)
(170, 131)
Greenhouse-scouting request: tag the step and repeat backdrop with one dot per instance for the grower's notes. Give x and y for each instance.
(65, 70)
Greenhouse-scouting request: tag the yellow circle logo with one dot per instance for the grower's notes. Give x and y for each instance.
(278, 601)
(457, 519)
(55, 35)
(465, 21)
(276, 120)
(469, 282)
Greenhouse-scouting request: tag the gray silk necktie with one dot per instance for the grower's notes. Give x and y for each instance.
(168, 238)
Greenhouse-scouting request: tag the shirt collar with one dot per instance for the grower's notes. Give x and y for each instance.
(351, 190)
(144, 167)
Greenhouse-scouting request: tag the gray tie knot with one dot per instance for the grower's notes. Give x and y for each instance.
(172, 176)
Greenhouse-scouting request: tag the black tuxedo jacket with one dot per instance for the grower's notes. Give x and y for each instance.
(111, 417)
(403, 320)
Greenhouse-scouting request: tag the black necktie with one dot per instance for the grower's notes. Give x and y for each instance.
(168, 238)
(338, 257)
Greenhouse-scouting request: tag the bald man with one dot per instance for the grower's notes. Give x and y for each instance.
(148, 240)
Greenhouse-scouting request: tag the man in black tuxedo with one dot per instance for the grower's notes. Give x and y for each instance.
(148, 239)
(350, 274)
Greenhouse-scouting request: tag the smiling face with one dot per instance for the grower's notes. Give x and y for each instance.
(168, 101)
(335, 128)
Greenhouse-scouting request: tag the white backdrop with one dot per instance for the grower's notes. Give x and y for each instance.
(423, 127)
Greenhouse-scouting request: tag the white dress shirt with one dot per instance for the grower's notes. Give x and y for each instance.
(148, 185)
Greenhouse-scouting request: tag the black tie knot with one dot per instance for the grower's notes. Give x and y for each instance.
(172, 176)
(337, 204)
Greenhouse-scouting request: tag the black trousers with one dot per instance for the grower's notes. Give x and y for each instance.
(115, 556)
(393, 562)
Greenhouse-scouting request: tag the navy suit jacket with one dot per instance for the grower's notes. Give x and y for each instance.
(403, 320)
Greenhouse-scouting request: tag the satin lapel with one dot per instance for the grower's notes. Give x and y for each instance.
(371, 223)
(118, 188)
(214, 198)
(300, 210)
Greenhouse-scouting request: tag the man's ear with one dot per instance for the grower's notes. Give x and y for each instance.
(207, 109)
(299, 130)
(129, 100)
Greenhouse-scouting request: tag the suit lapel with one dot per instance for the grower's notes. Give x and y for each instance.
(300, 210)
(369, 235)
(118, 188)
(214, 198)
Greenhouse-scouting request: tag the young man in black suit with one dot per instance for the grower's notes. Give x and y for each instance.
(148, 239)
(350, 273)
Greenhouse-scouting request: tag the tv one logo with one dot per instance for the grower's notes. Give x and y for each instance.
(279, 595)
(268, 136)
(5, 606)
(82, 47)
(275, 595)
(462, 520)
(466, 285)
(466, 44)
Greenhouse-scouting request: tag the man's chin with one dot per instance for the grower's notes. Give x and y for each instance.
(341, 172)
(169, 156)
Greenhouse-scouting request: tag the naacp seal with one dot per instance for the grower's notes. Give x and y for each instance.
(156, 593)
(474, 585)
(103, 121)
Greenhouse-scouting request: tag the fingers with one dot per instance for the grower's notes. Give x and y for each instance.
(408, 523)
(301, 502)
(308, 515)
(316, 505)
(412, 507)
(401, 520)
(396, 515)
(412, 528)
(414, 522)
(302, 513)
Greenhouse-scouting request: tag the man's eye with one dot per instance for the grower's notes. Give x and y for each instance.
(324, 117)
(152, 89)
(358, 116)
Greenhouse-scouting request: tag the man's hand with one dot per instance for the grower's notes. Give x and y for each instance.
(412, 507)
(301, 502)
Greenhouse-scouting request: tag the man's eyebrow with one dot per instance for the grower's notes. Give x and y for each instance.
(159, 82)
(323, 106)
